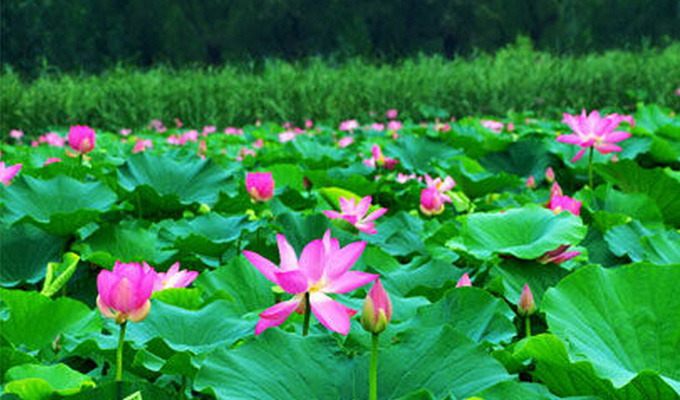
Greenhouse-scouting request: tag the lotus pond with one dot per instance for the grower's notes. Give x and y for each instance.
(517, 259)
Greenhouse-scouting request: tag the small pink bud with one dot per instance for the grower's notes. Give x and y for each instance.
(260, 186)
(464, 281)
(377, 311)
(392, 114)
(531, 182)
(555, 190)
(526, 305)
(307, 184)
(549, 175)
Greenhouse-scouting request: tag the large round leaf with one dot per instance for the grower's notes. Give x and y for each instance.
(25, 251)
(644, 243)
(37, 382)
(625, 320)
(525, 233)
(280, 365)
(472, 311)
(169, 183)
(59, 206)
(36, 320)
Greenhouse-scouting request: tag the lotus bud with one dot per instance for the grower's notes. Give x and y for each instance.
(531, 182)
(260, 186)
(124, 293)
(526, 304)
(377, 311)
(550, 175)
(464, 281)
(555, 190)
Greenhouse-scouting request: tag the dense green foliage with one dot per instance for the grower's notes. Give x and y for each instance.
(94, 35)
(516, 78)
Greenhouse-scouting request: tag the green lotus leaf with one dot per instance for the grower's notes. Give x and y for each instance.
(26, 250)
(528, 157)
(475, 181)
(418, 153)
(36, 320)
(127, 242)
(624, 321)
(59, 206)
(525, 233)
(661, 185)
(644, 243)
(169, 183)
(37, 382)
(441, 360)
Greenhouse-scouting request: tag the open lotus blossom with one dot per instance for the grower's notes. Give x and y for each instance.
(81, 139)
(377, 311)
(124, 293)
(594, 131)
(244, 152)
(442, 186)
(378, 159)
(157, 125)
(51, 160)
(8, 173)
(376, 126)
(392, 114)
(207, 130)
(403, 178)
(431, 201)
(174, 278)
(230, 130)
(348, 126)
(16, 134)
(125, 132)
(394, 126)
(526, 305)
(558, 256)
(559, 203)
(53, 139)
(464, 281)
(345, 141)
(355, 214)
(322, 269)
(309, 124)
(142, 145)
(493, 126)
(287, 136)
(260, 186)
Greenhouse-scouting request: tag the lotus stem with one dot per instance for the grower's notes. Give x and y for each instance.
(373, 371)
(590, 168)
(119, 353)
(308, 314)
(527, 326)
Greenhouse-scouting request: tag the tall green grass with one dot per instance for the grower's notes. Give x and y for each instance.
(514, 79)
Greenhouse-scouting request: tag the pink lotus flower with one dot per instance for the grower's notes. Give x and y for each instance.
(350, 125)
(53, 139)
(379, 159)
(355, 214)
(202, 149)
(531, 182)
(345, 141)
(526, 304)
(8, 173)
(16, 134)
(260, 186)
(309, 124)
(549, 174)
(142, 145)
(493, 126)
(207, 130)
(287, 136)
(394, 126)
(234, 131)
(125, 132)
(464, 281)
(258, 144)
(442, 186)
(189, 136)
(51, 160)
(157, 125)
(403, 178)
(174, 140)
(431, 201)
(243, 153)
(174, 278)
(124, 293)
(594, 131)
(377, 127)
(511, 127)
(442, 127)
(178, 123)
(81, 139)
(323, 269)
(392, 114)
(377, 311)
(560, 203)
(558, 256)
(555, 190)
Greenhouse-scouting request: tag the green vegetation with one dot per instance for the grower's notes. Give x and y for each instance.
(516, 78)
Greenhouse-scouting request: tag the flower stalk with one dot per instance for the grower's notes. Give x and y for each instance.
(308, 314)
(373, 371)
(119, 352)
